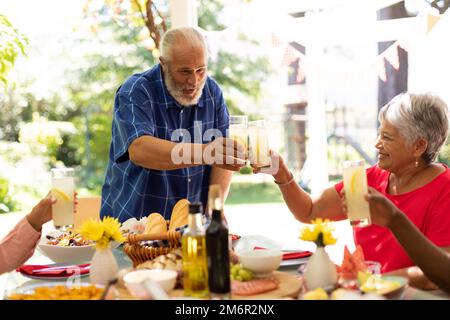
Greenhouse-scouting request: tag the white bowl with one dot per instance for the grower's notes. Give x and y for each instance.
(60, 254)
(261, 262)
(134, 281)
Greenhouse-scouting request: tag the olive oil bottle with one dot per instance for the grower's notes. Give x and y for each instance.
(217, 247)
(195, 267)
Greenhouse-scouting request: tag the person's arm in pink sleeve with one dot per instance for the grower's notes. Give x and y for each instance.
(18, 246)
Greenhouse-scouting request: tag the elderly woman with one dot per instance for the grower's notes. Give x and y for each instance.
(413, 128)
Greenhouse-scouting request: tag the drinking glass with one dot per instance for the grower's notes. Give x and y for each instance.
(63, 188)
(355, 184)
(238, 131)
(258, 144)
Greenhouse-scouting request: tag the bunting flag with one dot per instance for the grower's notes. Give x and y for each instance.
(432, 21)
(289, 55)
(390, 55)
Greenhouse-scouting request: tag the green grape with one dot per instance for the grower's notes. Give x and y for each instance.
(239, 278)
(246, 275)
(242, 273)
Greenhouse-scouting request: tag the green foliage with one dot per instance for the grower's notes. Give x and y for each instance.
(6, 203)
(12, 42)
(253, 193)
(444, 155)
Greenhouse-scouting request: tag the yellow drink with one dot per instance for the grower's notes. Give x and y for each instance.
(355, 184)
(259, 144)
(240, 135)
(63, 191)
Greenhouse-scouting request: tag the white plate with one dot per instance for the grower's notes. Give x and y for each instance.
(293, 262)
(246, 243)
(29, 286)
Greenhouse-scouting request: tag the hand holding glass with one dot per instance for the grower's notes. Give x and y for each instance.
(239, 130)
(258, 144)
(355, 185)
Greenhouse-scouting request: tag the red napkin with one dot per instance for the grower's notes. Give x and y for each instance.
(234, 237)
(290, 255)
(59, 272)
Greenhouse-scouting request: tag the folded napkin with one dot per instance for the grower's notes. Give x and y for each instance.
(54, 271)
(234, 237)
(290, 255)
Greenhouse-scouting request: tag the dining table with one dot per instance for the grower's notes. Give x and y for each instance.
(14, 281)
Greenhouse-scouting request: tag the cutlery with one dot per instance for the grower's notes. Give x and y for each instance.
(108, 287)
(61, 268)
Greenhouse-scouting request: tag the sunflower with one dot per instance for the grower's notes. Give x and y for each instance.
(102, 232)
(320, 233)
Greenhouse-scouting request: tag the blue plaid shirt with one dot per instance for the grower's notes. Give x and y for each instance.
(143, 106)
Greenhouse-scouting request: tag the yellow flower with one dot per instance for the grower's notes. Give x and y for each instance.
(112, 229)
(320, 233)
(102, 232)
(308, 234)
(92, 230)
(328, 239)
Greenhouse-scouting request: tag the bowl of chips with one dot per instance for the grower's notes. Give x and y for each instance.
(66, 247)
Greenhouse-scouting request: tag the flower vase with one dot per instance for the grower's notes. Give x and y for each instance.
(103, 266)
(320, 271)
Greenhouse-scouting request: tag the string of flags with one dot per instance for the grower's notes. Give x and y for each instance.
(390, 55)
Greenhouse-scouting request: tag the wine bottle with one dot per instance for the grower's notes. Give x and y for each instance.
(217, 248)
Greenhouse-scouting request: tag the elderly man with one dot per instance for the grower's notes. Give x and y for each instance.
(169, 134)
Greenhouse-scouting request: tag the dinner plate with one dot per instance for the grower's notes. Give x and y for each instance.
(53, 277)
(293, 262)
(246, 243)
(30, 286)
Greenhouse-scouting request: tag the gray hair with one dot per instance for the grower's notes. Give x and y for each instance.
(173, 36)
(419, 116)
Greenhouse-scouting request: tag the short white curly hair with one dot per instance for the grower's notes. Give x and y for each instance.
(174, 36)
(419, 116)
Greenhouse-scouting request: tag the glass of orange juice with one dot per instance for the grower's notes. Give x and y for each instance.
(63, 188)
(355, 184)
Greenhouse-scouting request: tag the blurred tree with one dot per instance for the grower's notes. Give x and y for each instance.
(12, 42)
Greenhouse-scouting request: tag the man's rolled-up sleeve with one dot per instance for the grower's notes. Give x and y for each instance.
(133, 117)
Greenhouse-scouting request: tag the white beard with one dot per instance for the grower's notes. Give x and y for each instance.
(177, 91)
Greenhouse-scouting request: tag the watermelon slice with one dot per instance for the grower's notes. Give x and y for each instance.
(352, 263)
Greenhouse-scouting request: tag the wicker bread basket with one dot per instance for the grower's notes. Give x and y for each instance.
(139, 253)
(166, 235)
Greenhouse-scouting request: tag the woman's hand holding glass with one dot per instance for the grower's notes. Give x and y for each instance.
(382, 210)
